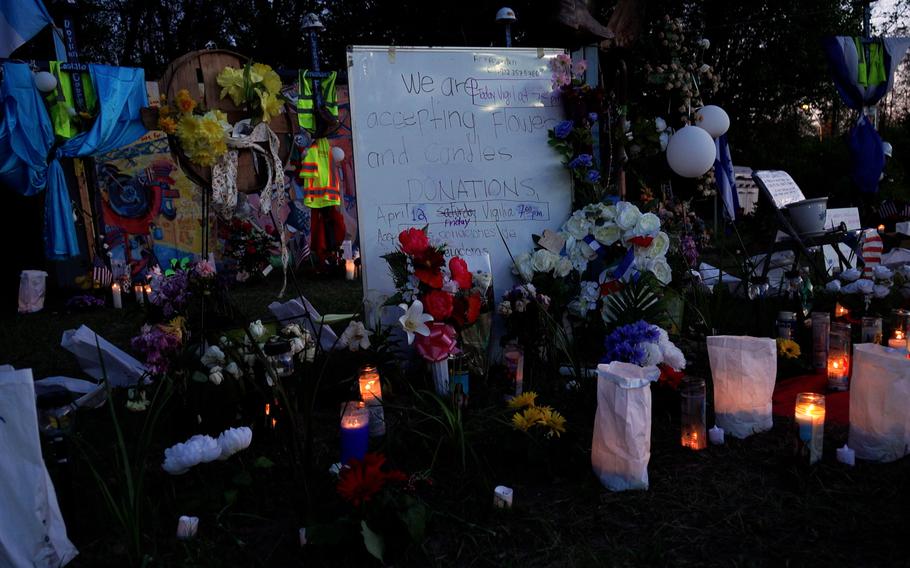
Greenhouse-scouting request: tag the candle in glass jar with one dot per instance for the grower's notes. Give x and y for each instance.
(371, 393)
(148, 291)
(515, 362)
(810, 425)
(137, 291)
(838, 367)
(840, 311)
(115, 294)
(349, 269)
(355, 431)
(898, 341)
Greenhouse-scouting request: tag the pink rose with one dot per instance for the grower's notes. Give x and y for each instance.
(438, 345)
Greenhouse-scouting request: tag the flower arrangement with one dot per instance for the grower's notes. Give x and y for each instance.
(84, 302)
(170, 290)
(439, 298)
(256, 87)
(529, 416)
(250, 246)
(646, 345)
(202, 135)
(858, 292)
(158, 346)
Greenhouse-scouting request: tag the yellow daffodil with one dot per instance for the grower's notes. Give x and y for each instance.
(270, 106)
(523, 400)
(185, 102)
(270, 79)
(788, 348)
(232, 84)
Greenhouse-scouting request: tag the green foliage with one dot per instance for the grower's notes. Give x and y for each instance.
(641, 300)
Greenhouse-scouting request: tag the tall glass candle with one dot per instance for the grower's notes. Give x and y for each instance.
(115, 294)
(355, 431)
(872, 330)
(810, 426)
(839, 356)
(692, 414)
(371, 394)
(349, 269)
(821, 327)
(138, 292)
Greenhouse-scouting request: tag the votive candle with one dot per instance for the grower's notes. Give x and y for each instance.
(371, 393)
(137, 291)
(355, 431)
(349, 269)
(810, 425)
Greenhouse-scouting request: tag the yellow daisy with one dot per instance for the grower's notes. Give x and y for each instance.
(523, 400)
(553, 420)
(185, 102)
(788, 348)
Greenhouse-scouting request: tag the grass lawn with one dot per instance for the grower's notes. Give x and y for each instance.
(742, 504)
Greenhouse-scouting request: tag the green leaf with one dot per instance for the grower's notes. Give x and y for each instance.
(200, 377)
(263, 462)
(415, 518)
(335, 318)
(374, 542)
(243, 479)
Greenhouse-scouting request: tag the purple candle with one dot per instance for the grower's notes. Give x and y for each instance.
(355, 431)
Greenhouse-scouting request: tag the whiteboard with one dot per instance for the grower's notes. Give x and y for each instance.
(455, 139)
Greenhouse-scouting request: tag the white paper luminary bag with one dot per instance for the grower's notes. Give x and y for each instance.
(621, 447)
(744, 369)
(879, 403)
(32, 284)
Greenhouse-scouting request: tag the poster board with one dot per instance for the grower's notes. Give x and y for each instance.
(454, 139)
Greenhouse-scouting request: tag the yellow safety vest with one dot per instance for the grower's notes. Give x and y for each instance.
(306, 116)
(317, 171)
(61, 100)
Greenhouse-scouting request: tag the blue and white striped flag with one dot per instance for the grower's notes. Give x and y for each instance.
(725, 178)
(20, 21)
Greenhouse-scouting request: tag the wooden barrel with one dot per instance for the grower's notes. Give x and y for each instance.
(197, 72)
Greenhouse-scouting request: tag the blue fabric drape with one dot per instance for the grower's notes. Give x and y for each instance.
(867, 155)
(26, 139)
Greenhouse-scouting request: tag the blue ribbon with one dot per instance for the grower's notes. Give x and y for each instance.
(624, 264)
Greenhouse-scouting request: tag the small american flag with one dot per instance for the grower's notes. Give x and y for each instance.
(101, 274)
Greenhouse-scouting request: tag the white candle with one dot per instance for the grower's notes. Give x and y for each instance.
(302, 536)
(898, 341)
(810, 424)
(115, 293)
(716, 435)
(502, 497)
(137, 291)
(349, 269)
(846, 455)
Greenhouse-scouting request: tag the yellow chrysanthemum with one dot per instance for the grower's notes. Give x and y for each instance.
(185, 102)
(174, 327)
(524, 399)
(164, 110)
(553, 420)
(788, 348)
(270, 79)
(167, 124)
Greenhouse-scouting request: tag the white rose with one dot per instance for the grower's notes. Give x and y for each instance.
(522, 266)
(607, 234)
(234, 440)
(850, 288)
(882, 272)
(881, 291)
(544, 260)
(660, 124)
(661, 270)
(257, 330)
(627, 215)
(608, 213)
(215, 375)
(850, 275)
(659, 246)
(833, 287)
(585, 250)
(648, 225)
(865, 286)
(233, 370)
(563, 267)
(212, 356)
(578, 226)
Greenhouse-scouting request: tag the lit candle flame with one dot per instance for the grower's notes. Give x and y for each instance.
(268, 409)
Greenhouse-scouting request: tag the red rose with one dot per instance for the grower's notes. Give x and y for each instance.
(473, 312)
(641, 241)
(269, 229)
(438, 345)
(427, 265)
(460, 273)
(466, 309)
(413, 241)
(438, 304)
(246, 226)
(670, 376)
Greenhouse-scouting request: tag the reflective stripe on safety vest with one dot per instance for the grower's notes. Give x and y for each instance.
(305, 104)
(317, 170)
(61, 101)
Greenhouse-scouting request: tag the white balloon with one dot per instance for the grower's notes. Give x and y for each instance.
(337, 154)
(713, 119)
(691, 152)
(45, 81)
